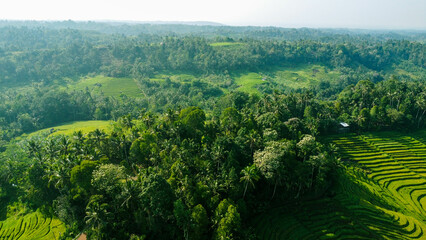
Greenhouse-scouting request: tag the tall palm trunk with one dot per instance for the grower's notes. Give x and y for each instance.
(275, 188)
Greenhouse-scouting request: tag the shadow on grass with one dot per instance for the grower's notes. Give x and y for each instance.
(358, 210)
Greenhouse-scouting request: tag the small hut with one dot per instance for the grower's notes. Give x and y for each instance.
(343, 128)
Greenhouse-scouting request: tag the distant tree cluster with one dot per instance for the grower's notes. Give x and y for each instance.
(47, 107)
(44, 55)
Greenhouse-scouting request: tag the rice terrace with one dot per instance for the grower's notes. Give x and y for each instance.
(141, 130)
(381, 194)
(33, 226)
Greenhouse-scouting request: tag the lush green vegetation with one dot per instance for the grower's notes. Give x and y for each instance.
(225, 44)
(107, 86)
(248, 82)
(32, 226)
(380, 194)
(145, 132)
(70, 128)
(296, 77)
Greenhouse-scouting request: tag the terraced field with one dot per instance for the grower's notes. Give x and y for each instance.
(381, 194)
(290, 76)
(71, 127)
(107, 85)
(248, 82)
(226, 44)
(32, 226)
(302, 76)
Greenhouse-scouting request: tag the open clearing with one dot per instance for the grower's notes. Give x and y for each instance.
(70, 128)
(108, 86)
(226, 44)
(302, 76)
(288, 77)
(248, 82)
(174, 77)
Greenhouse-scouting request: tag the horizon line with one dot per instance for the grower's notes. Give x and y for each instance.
(219, 24)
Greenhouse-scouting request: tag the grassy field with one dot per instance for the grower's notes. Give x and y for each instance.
(33, 226)
(380, 194)
(248, 82)
(108, 85)
(302, 76)
(174, 77)
(288, 77)
(405, 68)
(225, 44)
(70, 128)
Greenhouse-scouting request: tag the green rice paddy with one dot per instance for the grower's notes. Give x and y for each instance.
(70, 128)
(226, 44)
(380, 194)
(108, 86)
(288, 77)
(248, 82)
(174, 77)
(33, 226)
(302, 76)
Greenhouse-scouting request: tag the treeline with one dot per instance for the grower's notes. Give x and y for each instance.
(41, 107)
(213, 30)
(366, 106)
(26, 56)
(185, 174)
(13, 39)
(175, 175)
(390, 104)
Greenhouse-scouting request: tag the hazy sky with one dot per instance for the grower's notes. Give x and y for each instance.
(399, 14)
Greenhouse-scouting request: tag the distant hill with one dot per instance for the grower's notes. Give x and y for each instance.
(213, 29)
(193, 23)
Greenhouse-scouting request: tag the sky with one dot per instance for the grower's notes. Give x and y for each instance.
(367, 14)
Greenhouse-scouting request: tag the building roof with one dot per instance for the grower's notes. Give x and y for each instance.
(343, 124)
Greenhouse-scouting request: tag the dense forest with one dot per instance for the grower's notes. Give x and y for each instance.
(190, 159)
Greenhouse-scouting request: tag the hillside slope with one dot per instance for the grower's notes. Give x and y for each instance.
(31, 226)
(380, 194)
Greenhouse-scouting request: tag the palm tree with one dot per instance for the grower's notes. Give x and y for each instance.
(131, 191)
(127, 121)
(250, 176)
(315, 162)
(98, 136)
(171, 116)
(93, 219)
(56, 174)
(34, 149)
(254, 139)
(124, 146)
(64, 144)
(51, 148)
(421, 105)
(148, 119)
(78, 142)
